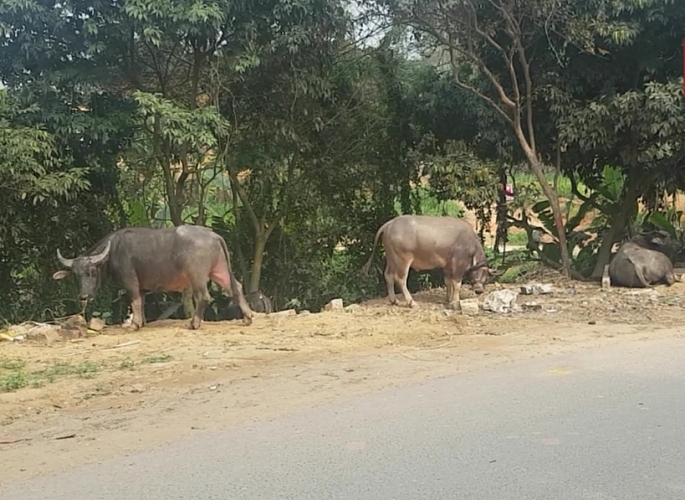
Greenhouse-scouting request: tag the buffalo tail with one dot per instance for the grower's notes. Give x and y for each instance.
(237, 295)
(367, 266)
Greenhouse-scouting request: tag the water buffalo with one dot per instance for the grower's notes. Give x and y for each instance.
(158, 260)
(641, 263)
(225, 308)
(425, 242)
(258, 303)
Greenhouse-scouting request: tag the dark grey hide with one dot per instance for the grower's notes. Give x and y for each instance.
(641, 262)
(258, 303)
(158, 260)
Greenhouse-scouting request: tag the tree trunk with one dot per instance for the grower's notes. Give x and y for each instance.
(536, 167)
(617, 223)
(551, 194)
(501, 232)
(237, 250)
(257, 261)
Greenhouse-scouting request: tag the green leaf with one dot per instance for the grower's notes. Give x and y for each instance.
(662, 223)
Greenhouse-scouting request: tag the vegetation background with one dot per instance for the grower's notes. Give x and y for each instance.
(295, 128)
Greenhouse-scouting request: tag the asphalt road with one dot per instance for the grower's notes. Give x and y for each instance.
(604, 424)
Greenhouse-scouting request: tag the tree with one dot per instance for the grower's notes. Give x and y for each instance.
(491, 41)
(46, 185)
(622, 105)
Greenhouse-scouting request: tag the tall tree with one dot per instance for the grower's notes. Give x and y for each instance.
(620, 104)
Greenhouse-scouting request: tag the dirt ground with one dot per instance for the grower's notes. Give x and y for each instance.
(121, 391)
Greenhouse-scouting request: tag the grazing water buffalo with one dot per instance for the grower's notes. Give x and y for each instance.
(158, 260)
(425, 242)
(640, 263)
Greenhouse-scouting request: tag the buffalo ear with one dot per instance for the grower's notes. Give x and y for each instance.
(60, 275)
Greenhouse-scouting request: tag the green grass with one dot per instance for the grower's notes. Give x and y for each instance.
(518, 238)
(163, 358)
(127, 364)
(15, 376)
(430, 205)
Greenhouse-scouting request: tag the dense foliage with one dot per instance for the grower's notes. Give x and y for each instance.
(294, 128)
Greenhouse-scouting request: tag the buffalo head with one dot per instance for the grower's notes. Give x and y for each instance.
(480, 276)
(87, 268)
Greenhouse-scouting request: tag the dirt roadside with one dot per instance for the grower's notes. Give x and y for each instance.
(125, 391)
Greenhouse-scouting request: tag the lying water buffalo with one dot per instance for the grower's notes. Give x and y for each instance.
(258, 303)
(425, 242)
(225, 308)
(158, 260)
(641, 263)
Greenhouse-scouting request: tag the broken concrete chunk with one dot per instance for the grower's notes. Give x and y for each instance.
(469, 307)
(532, 306)
(334, 305)
(536, 288)
(96, 324)
(501, 301)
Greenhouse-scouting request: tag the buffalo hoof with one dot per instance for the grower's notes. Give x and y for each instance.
(195, 325)
(247, 320)
(454, 305)
(411, 304)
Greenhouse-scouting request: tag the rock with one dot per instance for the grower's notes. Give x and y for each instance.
(501, 301)
(75, 327)
(352, 308)
(43, 332)
(334, 305)
(532, 306)
(304, 312)
(96, 324)
(469, 307)
(51, 335)
(536, 288)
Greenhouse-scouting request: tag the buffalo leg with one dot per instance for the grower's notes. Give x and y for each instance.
(242, 303)
(671, 278)
(142, 309)
(453, 287)
(402, 278)
(137, 309)
(390, 283)
(201, 296)
(453, 283)
(449, 288)
(453, 301)
(223, 279)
